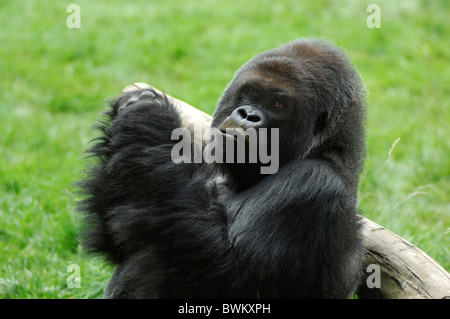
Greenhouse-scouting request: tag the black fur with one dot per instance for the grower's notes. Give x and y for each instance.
(224, 230)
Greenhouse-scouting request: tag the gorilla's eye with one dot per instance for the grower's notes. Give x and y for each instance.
(251, 92)
(280, 102)
(254, 93)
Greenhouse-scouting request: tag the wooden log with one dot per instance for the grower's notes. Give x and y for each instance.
(405, 271)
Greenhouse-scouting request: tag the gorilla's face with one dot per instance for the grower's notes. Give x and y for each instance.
(276, 90)
(260, 105)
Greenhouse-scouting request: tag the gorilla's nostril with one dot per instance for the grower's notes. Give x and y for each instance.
(242, 112)
(247, 113)
(253, 118)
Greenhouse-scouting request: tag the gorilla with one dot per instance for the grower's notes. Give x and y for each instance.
(225, 230)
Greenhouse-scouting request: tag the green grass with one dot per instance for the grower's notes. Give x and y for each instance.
(54, 82)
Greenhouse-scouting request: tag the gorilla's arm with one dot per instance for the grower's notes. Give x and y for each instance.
(140, 144)
(134, 165)
(300, 215)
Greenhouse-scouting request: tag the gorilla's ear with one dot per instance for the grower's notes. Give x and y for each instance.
(321, 122)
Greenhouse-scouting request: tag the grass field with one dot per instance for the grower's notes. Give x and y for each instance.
(54, 82)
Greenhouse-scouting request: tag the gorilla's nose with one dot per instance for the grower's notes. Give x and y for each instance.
(248, 116)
